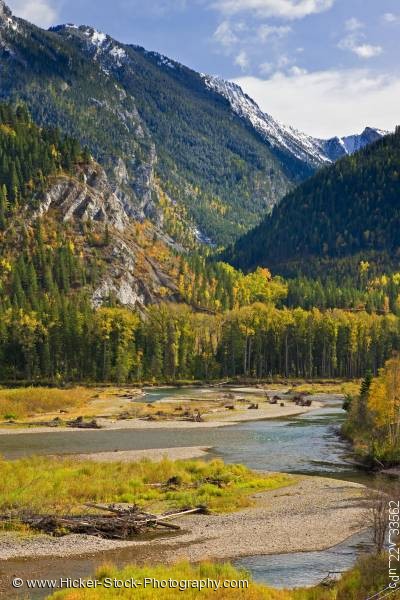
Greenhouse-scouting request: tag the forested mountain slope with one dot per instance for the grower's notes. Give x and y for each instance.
(175, 150)
(348, 211)
(63, 231)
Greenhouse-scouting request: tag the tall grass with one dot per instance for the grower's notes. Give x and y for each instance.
(22, 402)
(180, 572)
(368, 577)
(329, 387)
(47, 485)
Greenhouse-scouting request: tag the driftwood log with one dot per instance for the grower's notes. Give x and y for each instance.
(115, 523)
(80, 423)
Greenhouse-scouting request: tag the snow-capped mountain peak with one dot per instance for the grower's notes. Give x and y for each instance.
(99, 42)
(313, 151)
(275, 133)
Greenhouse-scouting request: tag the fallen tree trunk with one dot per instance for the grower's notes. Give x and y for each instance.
(120, 523)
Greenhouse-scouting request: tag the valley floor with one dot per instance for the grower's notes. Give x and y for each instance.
(112, 411)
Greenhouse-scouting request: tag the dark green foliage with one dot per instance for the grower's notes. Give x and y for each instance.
(50, 330)
(63, 89)
(346, 213)
(28, 156)
(362, 406)
(379, 294)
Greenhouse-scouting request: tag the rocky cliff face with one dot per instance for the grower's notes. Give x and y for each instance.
(89, 197)
(129, 273)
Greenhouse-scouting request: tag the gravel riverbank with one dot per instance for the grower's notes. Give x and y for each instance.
(154, 454)
(313, 514)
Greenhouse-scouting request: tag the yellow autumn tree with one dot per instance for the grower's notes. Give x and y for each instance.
(384, 400)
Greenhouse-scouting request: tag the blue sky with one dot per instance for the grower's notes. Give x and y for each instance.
(328, 67)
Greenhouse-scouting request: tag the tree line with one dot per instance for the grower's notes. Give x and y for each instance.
(69, 340)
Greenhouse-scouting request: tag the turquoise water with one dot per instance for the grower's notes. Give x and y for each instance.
(304, 569)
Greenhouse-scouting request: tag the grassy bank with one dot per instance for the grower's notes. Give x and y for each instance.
(180, 572)
(22, 402)
(329, 387)
(51, 485)
(369, 576)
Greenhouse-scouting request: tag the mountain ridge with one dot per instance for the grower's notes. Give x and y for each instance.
(315, 151)
(171, 134)
(346, 215)
(175, 152)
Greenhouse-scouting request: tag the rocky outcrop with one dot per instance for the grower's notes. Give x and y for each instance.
(129, 274)
(88, 197)
(133, 278)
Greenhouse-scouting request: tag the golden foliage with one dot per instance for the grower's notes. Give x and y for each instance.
(19, 403)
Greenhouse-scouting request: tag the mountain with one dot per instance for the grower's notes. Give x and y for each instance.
(171, 148)
(174, 150)
(60, 216)
(337, 148)
(349, 211)
(312, 151)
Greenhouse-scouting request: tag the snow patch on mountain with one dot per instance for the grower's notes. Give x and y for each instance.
(118, 53)
(162, 61)
(102, 43)
(275, 133)
(6, 17)
(97, 38)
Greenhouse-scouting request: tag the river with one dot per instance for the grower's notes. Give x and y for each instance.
(307, 444)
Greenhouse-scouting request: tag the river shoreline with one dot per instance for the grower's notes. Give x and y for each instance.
(312, 514)
(233, 418)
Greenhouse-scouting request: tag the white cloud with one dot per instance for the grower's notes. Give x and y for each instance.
(40, 12)
(354, 43)
(281, 64)
(266, 68)
(285, 9)
(243, 41)
(266, 31)
(231, 33)
(367, 50)
(391, 18)
(242, 60)
(329, 103)
(225, 35)
(297, 71)
(353, 24)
